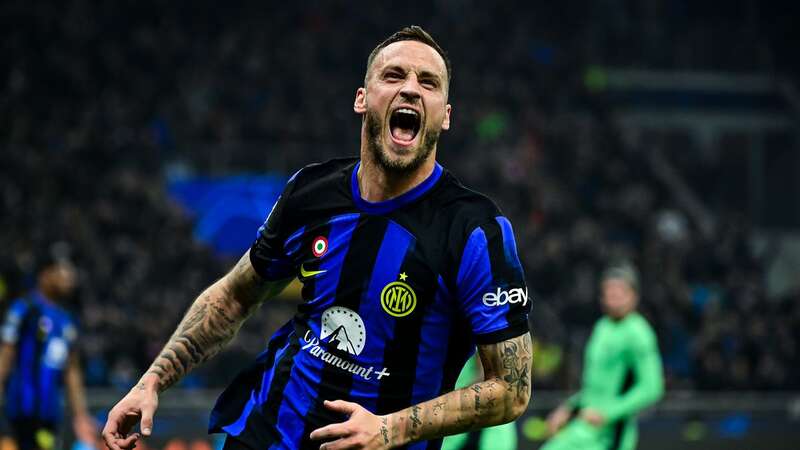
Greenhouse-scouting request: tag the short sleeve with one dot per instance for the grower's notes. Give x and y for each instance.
(12, 322)
(267, 254)
(490, 283)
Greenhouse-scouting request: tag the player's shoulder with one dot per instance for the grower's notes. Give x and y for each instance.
(18, 307)
(320, 184)
(13, 319)
(467, 207)
(320, 173)
(638, 326)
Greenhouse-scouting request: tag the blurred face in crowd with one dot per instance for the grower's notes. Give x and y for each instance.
(619, 299)
(404, 104)
(58, 281)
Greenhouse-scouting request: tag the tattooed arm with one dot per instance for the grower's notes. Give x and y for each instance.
(210, 323)
(501, 397)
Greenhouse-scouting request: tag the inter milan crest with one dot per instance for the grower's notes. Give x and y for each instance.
(319, 246)
(397, 298)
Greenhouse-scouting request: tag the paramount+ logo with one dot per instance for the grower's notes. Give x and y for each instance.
(501, 297)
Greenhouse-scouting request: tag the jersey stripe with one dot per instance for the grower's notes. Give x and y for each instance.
(285, 405)
(394, 247)
(294, 243)
(30, 360)
(47, 409)
(431, 358)
(335, 383)
(400, 355)
(497, 262)
(298, 393)
(278, 387)
(459, 349)
(246, 384)
(516, 278)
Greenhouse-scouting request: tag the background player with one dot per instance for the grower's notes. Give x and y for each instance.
(404, 270)
(38, 357)
(622, 374)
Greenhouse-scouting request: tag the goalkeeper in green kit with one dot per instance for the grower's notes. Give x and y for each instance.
(622, 374)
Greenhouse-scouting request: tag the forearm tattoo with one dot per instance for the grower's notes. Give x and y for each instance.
(518, 377)
(500, 398)
(385, 429)
(210, 323)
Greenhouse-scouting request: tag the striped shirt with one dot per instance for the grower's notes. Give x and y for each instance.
(44, 335)
(396, 296)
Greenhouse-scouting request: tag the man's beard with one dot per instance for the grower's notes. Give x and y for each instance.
(374, 127)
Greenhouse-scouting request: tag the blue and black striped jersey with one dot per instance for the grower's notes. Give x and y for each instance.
(44, 335)
(396, 296)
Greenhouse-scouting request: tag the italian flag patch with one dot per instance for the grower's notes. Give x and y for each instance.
(319, 246)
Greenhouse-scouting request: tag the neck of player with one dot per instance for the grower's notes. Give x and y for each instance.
(377, 184)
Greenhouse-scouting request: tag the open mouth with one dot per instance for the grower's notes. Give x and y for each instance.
(404, 124)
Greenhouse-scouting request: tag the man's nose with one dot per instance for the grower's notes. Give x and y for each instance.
(411, 89)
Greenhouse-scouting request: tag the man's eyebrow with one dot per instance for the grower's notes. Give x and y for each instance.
(393, 67)
(422, 73)
(429, 74)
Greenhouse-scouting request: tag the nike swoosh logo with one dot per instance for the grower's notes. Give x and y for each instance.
(309, 273)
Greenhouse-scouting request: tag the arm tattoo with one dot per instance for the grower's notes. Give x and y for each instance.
(515, 367)
(211, 322)
(500, 398)
(415, 416)
(385, 429)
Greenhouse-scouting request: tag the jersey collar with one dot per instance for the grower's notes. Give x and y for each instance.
(392, 204)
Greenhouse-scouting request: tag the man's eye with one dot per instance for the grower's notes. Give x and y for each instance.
(430, 83)
(393, 76)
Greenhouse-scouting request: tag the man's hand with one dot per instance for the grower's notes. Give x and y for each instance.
(362, 430)
(140, 403)
(593, 417)
(557, 419)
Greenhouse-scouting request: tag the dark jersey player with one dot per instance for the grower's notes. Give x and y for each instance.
(38, 358)
(404, 273)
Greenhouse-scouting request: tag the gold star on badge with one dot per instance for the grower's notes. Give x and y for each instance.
(403, 276)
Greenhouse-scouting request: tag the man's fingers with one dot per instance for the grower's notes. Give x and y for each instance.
(335, 430)
(111, 430)
(339, 444)
(128, 421)
(342, 406)
(147, 420)
(117, 428)
(129, 442)
(118, 443)
(330, 432)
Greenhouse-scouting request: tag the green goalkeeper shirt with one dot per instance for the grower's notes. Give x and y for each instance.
(622, 371)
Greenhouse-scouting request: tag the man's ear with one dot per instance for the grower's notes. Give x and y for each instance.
(446, 121)
(360, 105)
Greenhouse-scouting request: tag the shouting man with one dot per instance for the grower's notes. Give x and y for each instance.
(404, 271)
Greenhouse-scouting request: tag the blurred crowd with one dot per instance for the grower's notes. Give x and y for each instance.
(102, 101)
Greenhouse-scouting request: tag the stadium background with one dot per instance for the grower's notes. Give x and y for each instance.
(148, 139)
